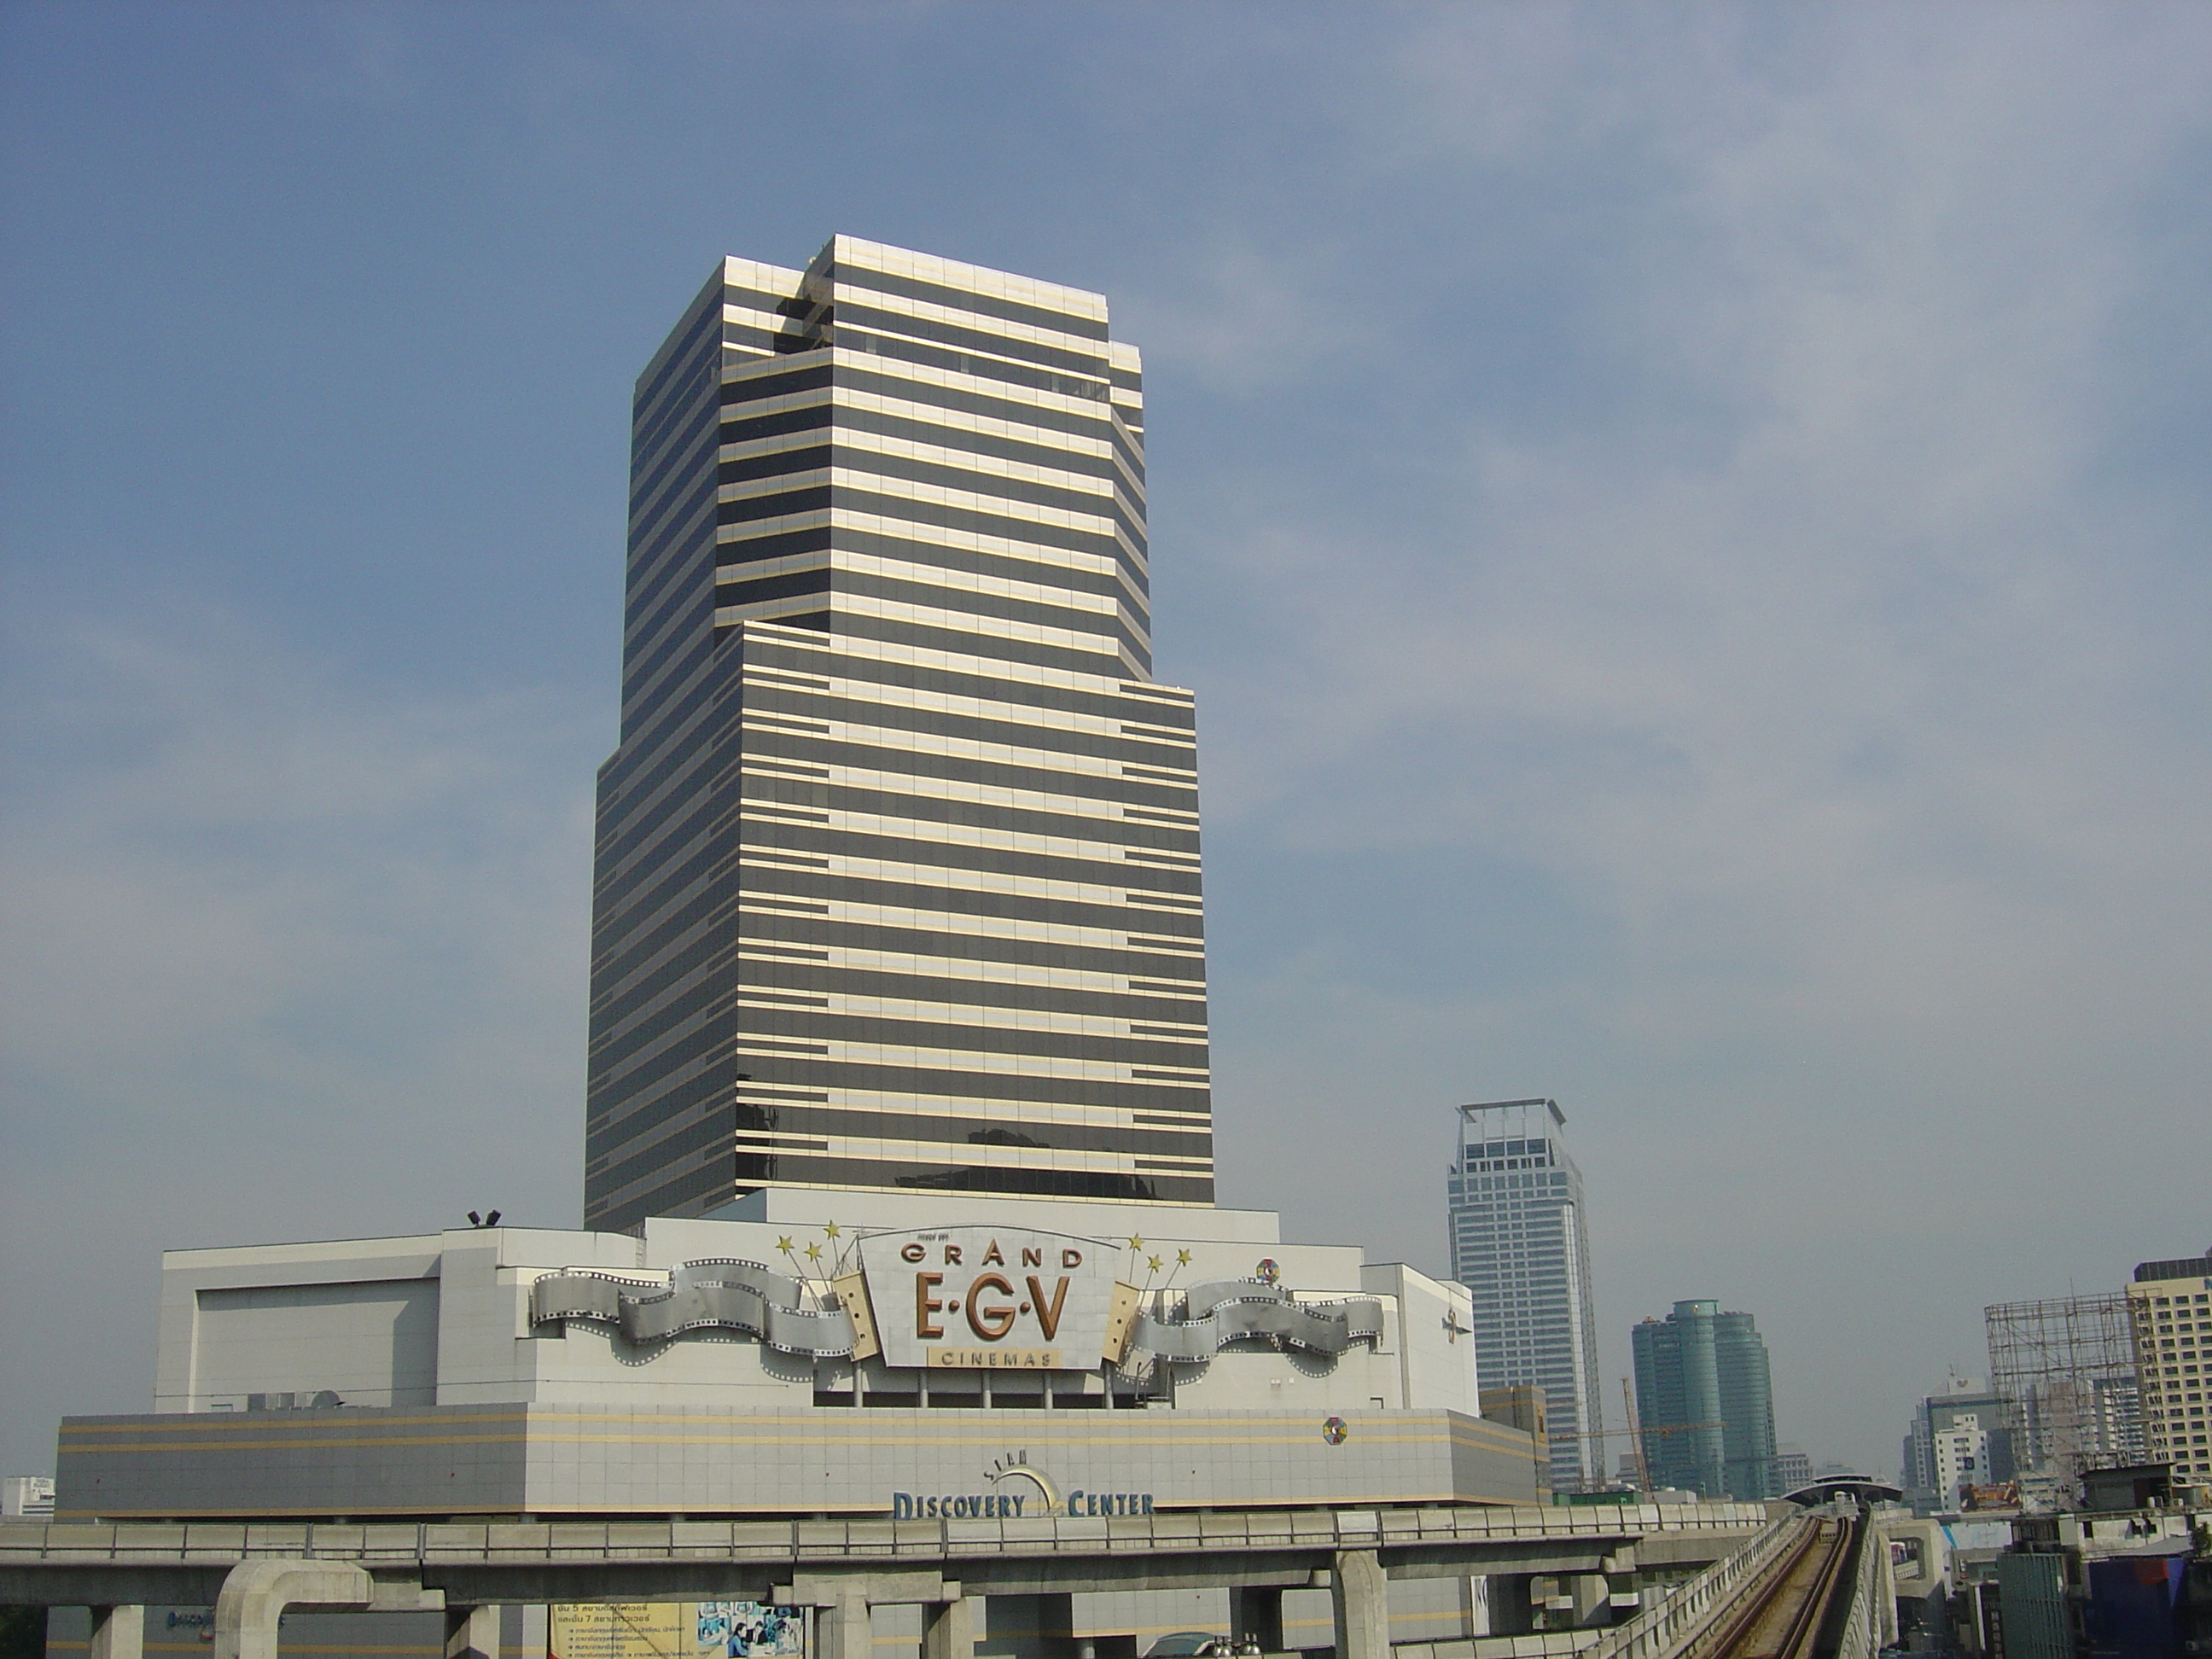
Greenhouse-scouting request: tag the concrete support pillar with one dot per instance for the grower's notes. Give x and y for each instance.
(1593, 1599)
(948, 1629)
(1257, 1611)
(1362, 1598)
(472, 1632)
(843, 1623)
(117, 1633)
(1512, 1608)
(256, 1593)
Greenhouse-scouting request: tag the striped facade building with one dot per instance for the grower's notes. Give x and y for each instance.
(897, 878)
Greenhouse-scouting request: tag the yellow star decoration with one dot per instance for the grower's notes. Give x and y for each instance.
(1136, 1240)
(1182, 1258)
(1153, 1262)
(814, 1252)
(829, 1230)
(783, 1245)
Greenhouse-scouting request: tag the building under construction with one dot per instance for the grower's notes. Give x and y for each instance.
(2067, 1366)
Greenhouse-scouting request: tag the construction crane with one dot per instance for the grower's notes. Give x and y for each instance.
(1635, 1433)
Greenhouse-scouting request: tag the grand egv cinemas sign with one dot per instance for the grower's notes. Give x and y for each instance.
(988, 1298)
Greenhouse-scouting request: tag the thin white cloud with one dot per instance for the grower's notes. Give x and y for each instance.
(1824, 665)
(288, 958)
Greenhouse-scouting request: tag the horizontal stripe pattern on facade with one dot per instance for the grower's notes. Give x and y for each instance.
(898, 874)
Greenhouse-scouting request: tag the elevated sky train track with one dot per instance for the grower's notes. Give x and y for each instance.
(1784, 1613)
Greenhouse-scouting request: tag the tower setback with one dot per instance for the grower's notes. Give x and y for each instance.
(896, 876)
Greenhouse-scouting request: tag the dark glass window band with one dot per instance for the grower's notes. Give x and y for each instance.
(755, 388)
(971, 1178)
(1089, 364)
(950, 1036)
(973, 993)
(862, 1124)
(1133, 747)
(759, 590)
(755, 926)
(955, 855)
(826, 662)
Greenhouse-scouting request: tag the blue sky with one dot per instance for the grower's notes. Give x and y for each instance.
(1689, 526)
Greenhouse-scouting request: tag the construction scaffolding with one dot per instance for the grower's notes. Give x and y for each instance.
(2067, 1365)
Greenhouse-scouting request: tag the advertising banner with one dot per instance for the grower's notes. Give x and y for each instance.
(674, 1630)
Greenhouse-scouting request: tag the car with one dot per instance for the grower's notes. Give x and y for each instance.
(1189, 1644)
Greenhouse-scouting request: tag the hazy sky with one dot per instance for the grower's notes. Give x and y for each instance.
(1691, 529)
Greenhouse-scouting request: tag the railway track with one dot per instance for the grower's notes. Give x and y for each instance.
(1781, 1615)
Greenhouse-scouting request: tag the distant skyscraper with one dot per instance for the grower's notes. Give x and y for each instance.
(897, 881)
(1793, 1469)
(1965, 1405)
(1704, 1402)
(1518, 1242)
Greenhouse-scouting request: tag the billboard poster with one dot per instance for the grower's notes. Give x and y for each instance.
(747, 1629)
(674, 1630)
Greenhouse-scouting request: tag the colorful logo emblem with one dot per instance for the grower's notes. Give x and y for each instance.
(1269, 1271)
(1332, 1430)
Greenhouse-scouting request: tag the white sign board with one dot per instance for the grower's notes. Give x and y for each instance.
(989, 1298)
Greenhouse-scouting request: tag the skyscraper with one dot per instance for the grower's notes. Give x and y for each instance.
(1519, 1244)
(1704, 1402)
(897, 878)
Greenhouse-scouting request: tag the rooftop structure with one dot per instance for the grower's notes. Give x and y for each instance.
(2066, 1365)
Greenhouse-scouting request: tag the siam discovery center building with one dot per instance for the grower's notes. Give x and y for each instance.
(898, 1198)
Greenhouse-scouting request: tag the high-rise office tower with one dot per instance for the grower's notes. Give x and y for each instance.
(1518, 1242)
(1704, 1402)
(896, 875)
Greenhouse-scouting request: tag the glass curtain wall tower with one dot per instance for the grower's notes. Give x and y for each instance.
(1519, 1243)
(896, 876)
(1704, 1400)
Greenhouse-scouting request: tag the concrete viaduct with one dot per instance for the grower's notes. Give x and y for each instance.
(251, 1573)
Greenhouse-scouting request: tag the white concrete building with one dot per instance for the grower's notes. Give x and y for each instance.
(2170, 1311)
(1961, 1452)
(1147, 1366)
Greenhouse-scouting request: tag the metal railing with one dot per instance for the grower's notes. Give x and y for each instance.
(1666, 1629)
(451, 1543)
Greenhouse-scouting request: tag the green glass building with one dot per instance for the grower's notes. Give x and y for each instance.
(1705, 1401)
